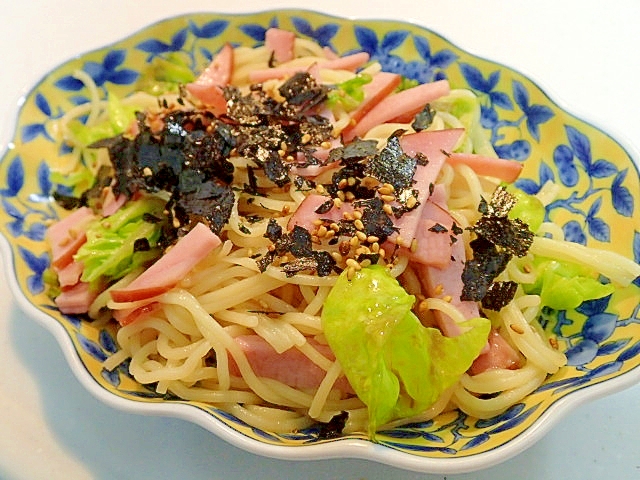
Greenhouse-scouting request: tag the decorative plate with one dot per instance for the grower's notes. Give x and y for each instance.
(599, 190)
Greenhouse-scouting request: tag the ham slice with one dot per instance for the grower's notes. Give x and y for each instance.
(291, 367)
(70, 274)
(76, 299)
(68, 235)
(348, 62)
(171, 268)
(500, 354)
(281, 43)
(433, 241)
(507, 170)
(381, 85)
(208, 86)
(433, 145)
(409, 101)
(306, 213)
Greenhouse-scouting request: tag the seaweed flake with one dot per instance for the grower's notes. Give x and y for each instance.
(391, 165)
(498, 295)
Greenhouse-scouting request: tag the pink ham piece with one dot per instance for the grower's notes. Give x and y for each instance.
(499, 355)
(208, 86)
(68, 235)
(291, 367)
(381, 85)
(70, 274)
(111, 204)
(433, 244)
(172, 267)
(433, 145)
(281, 43)
(408, 101)
(306, 213)
(76, 299)
(348, 62)
(507, 170)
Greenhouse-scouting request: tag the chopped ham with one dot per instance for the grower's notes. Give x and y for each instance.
(172, 267)
(68, 235)
(111, 204)
(76, 299)
(348, 62)
(306, 213)
(411, 100)
(281, 43)
(381, 85)
(433, 145)
(126, 316)
(433, 237)
(208, 86)
(70, 274)
(291, 367)
(500, 354)
(507, 170)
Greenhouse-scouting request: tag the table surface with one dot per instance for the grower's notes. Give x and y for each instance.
(584, 53)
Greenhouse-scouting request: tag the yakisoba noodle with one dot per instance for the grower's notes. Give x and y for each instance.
(227, 295)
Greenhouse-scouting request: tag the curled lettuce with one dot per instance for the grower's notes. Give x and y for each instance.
(122, 242)
(564, 285)
(120, 117)
(349, 93)
(397, 367)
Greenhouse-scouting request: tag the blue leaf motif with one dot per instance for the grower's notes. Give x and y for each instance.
(37, 264)
(113, 376)
(528, 186)
(422, 46)
(113, 59)
(107, 341)
(15, 178)
(123, 77)
(573, 232)
(599, 327)
(178, 40)
(443, 58)
(501, 99)
(91, 347)
(36, 232)
(33, 131)
(153, 46)
(403, 433)
(594, 307)
(325, 33)
(602, 169)
(513, 411)
(211, 29)
(393, 40)
(582, 353)
(536, 115)
(599, 229)
(474, 78)
(567, 171)
(475, 441)
(546, 174)
(605, 369)
(520, 95)
(302, 25)
(69, 83)
(367, 39)
(488, 117)
(42, 104)
(621, 197)
(612, 347)
(515, 421)
(11, 210)
(630, 352)
(580, 144)
(254, 31)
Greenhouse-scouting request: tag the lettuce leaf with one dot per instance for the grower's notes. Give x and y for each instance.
(397, 367)
(565, 285)
(120, 117)
(110, 250)
(349, 93)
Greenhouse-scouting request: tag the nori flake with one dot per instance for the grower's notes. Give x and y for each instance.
(499, 295)
(391, 165)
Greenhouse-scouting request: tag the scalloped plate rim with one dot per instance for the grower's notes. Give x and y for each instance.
(340, 448)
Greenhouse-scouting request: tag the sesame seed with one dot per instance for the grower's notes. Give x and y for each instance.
(411, 202)
(286, 209)
(553, 342)
(317, 222)
(357, 214)
(352, 263)
(350, 196)
(351, 181)
(347, 216)
(336, 256)
(354, 241)
(306, 138)
(325, 145)
(516, 328)
(414, 246)
(322, 231)
(343, 183)
(365, 263)
(335, 227)
(330, 234)
(384, 191)
(320, 189)
(351, 272)
(388, 209)
(375, 247)
(422, 306)
(527, 268)
(337, 202)
(439, 289)
(387, 198)
(358, 224)
(399, 240)
(382, 252)
(372, 239)
(360, 235)
(447, 298)
(341, 195)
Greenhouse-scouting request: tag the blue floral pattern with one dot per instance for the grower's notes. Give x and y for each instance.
(515, 123)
